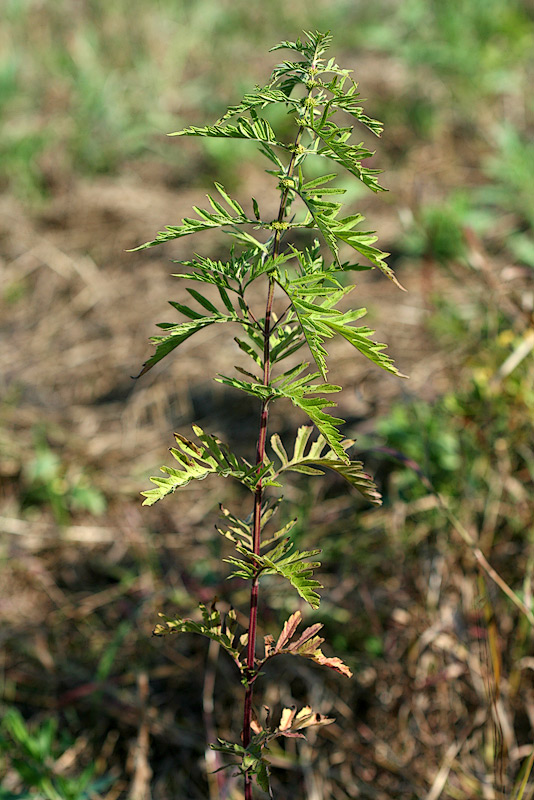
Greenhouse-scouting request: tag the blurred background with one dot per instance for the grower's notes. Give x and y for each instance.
(442, 701)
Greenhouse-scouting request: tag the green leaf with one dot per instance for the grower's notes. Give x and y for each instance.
(323, 321)
(228, 747)
(293, 566)
(239, 531)
(297, 392)
(313, 49)
(362, 241)
(348, 101)
(211, 627)
(254, 389)
(284, 560)
(196, 463)
(256, 128)
(324, 215)
(309, 185)
(359, 338)
(316, 461)
(208, 220)
(313, 332)
(262, 776)
(203, 301)
(260, 98)
(349, 156)
(313, 406)
(177, 334)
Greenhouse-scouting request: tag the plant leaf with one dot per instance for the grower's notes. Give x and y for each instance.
(290, 626)
(196, 463)
(307, 645)
(255, 128)
(316, 461)
(208, 220)
(211, 627)
(177, 334)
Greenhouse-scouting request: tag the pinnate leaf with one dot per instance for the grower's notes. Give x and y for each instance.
(196, 463)
(319, 457)
(211, 627)
(177, 334)
(307, 645)
(255, 128)
(284, 560)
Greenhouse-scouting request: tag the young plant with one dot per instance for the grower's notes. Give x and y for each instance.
(312, 287)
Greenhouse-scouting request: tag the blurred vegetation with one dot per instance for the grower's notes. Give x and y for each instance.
(35, 753)
(443, 659)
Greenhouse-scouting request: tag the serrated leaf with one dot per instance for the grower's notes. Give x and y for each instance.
(316, 182)
(210, 627)
(203, 301)
(363, 241)
(177, 334)
(316, 461)
(333, 663)
(359, 338)
(307, 645)
(242, 569)
(230, 748)
(260, 98)
(349, 156)
(256, 128)
(326, 423)
(298, 572)
(305, 636)
(283, 560)
(297, 392)
(197, 463)
(324, 219)
(208, 220)
(290, 626)
(323, 321)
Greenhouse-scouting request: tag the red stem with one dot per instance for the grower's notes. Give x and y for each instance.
(258, 499)
(258, 496)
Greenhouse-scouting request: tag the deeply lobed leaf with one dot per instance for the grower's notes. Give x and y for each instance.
(316, 461)
(307, 645)
(196, 463)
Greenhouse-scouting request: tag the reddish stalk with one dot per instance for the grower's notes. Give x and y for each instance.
(260, 457)
(258, 497)
(258, 500)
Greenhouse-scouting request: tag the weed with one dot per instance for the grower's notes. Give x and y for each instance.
(49, 483)
(35, 754)
(303, 290)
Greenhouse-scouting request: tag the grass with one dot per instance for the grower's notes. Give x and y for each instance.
(87, 95)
